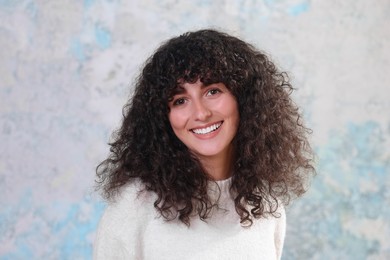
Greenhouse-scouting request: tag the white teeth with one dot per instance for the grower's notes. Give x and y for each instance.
(202, 131)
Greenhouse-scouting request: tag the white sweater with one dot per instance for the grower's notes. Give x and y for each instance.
(131, 228)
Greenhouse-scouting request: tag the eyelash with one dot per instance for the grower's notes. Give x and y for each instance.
(214, 90)
(181, 101)
(178, 102)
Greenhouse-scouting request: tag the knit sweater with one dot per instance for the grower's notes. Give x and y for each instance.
(131, 228)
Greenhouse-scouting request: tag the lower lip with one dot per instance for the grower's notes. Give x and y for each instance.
(209, 135)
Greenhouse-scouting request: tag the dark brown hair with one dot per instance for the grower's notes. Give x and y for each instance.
(273, 157)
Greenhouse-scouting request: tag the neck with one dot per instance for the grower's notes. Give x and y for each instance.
(219, 167)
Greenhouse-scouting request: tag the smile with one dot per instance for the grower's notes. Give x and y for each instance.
(206, 130)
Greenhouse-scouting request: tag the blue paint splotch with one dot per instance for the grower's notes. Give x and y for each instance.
(10, 3)
(63, 229)
(9, 218)
(80, 49)
(32, 10)
(353, 159)
(298, 9)
(102, 37)
(75, 244)
(77, 49)
(361, 148)
(88, 3)
(351, 187)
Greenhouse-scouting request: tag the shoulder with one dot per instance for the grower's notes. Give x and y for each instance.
(131, 202)
(280, 230)
(278, 215)
(123, 220)
(281, 220)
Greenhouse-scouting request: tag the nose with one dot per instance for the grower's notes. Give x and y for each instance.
(201, 111)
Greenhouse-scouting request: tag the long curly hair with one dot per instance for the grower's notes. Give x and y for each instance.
(273, 158)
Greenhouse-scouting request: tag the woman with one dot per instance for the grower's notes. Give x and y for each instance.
(210, 150)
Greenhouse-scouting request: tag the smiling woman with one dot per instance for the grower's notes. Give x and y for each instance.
(210, 150)
(205, 119)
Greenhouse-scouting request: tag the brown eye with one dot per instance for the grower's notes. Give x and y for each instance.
(213, 91)
(179, 101)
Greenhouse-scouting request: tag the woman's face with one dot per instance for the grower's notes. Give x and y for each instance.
(205, 118)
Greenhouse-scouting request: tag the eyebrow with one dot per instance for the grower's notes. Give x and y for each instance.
(180, 89)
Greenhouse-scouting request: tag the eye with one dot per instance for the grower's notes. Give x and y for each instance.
(179, 101)
(213, 91)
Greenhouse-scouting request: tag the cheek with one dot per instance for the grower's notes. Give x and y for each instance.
(236, 120)
(233, 111)
(176, 120)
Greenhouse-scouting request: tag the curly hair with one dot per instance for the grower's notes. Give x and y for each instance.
(273, 158)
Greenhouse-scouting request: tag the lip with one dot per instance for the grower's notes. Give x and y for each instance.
(209, 134)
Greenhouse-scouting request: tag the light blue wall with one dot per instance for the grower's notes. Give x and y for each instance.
(65, 72)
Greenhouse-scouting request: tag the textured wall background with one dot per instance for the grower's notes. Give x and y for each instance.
(66, 69)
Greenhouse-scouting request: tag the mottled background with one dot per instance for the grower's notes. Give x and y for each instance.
(66, 69)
